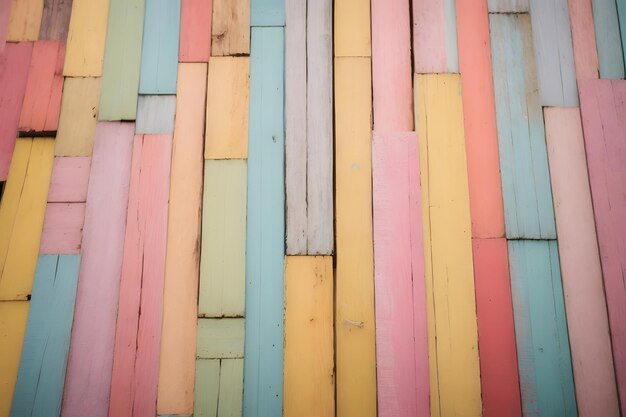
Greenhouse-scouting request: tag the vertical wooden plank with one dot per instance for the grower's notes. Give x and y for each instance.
(79, 116)
(195, 30)
(56, 19)
(267, 13)
(621, 14)
(231, 388)
(5, 12)
(155, 114)
(230, 28)
(583, 38)
(265, 233)
(139, 317)
(309, 341)
(352, 29)
(182, 261)
(25, 20)
(70, 178)
(610, 54)
(207, 387)
(86, 38)
(159, 52)
(62, 228)
(13, 316)
(434, 37)
(90, 361)
(227, 108)
(508, 6)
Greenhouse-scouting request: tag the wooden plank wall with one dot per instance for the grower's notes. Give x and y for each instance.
(434, 37)
(195, 30)
(610, 54)
(86, 38)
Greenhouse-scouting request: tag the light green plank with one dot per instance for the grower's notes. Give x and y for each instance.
(220, 338)
(231, 388)
(207, 387)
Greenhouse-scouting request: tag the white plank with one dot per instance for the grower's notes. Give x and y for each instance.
(508, 6)
(155, 114)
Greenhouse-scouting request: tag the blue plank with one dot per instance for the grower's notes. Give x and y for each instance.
(543, 354)
(265, 240)
(41, 377)
(528, 209)
(608, 43)
(621, 14)
(267, 13)
(159, 52)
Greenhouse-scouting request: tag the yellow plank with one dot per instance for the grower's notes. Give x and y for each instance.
(454, 366)
(79, 115)
(18, 269)
(227, 108)
(352, 28)
(309, 370)
(13, 315)
(230, 28)
(354, 322)
(25, 20)
(85, 39)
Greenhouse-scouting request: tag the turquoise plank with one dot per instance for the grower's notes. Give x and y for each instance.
(621, 14)
(41, 377)
(267, 13)
(159, 53)
(265, 233)
(610, 54)
(526, 189)
(543, 354)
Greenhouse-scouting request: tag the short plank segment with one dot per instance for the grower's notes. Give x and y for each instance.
(267, 13)
(25, 20)
(596, 393)
(90, 361)
(62, 228)
(195, 30)
(86, 38)
(155, 114)
(434, 37)
(79, 116)
(401, 323)
(621, 14)
(5, 12)
(13, 316)
(230, 28)
(70, 178)
(584, 39)
(159, 52)
(309, 341)
(352, 28)
(610, 54)
(508, 6)
(39, 386)
(220, 338)
(55, 20)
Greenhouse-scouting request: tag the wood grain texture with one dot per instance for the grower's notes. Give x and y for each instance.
(401, 323)
(90, 361)
(207, 387)
(62, 228)
(219, 387)
(355, 348)
(352, 28)
(451, 307)
(220, 338)
(41, 376)
(309, 338)
(155, 114)
(227, 108)
(606, 24)
(587, 320)
(621, 14)
(13, 316)
(182, 261)
(583, 39)
(230, 399)
(70, 177)
(5, 12)
(79, 116)
(55, 20)
(195, 30)
(267, 13)
(543, 354)
(159, 52)
(25, 20)
(86, 38)
(265, 234)
(434, 36)
(230, 28)
(528, 209)
(508, 6)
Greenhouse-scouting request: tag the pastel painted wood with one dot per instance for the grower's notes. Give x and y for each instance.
(508, 6)
(207, 387)
(583, 38)
(70, 178)
(227, 108)
(5, 12)
(267, 13)
(621, 14)
(309, 339)
(13, 316)
(434, 36)
(230, 399)
(25, 20)
(55, 20)
(88, 381)
(159, 52)
(352, 28)
(86, 38)
(610, 54)
(220, 338)
(401, 325)
(155, 114)
(39, 385)
(62, 228)
(219, 387)
(587, 320)
(195, 30)
(230, 28)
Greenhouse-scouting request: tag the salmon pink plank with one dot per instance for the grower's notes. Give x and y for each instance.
(70, 177)
(62, 228)
(435, 36)
(195, 31)
(583, 38)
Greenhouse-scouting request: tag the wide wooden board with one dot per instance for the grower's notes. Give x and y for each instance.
(606, 24)
(55, 20)
(70, 178)
(79, 116)
(25, 20)
(230, 28)
(62, 228)
(86, 38)
(195, 31)
(352, 28)
(13, 316)
(434, 36)
(155, 114)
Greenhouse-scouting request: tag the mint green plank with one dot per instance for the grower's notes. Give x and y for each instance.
(207, 387)
(608, 42)
(621, 13)
(122, 54)
(220, 338)
(267, 12)
(231, 388)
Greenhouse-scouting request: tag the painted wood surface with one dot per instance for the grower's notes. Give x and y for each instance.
(120, 80)
(265, 233)
(401, 323)
(528, 209)
(603, 105)
(219, 387)
(391, 66)
(223, 261)
(5, 12)
(159, 52)
(220, 338)
(621, 14)
(543, 354)
(182, 261)
(434, 36)
(195, 30)
(587, 321)
(207, 387)
(55, 21)
(508, 6)
(267, 13)
(583, 38)
(13, 316)
(70, 177)
(62, 228)
(230, 399)
(79, 116)
(155, 114)
(227, 108)
(41, 376)
(25, 20)
(14, 64)
(90, 361)
(451, 307)
(139, 318)
(309, 338)
(352, 28)
(606, 24)
(230, 28)
(42, 99)
(22, 215)
(355, 347)
(86, 38)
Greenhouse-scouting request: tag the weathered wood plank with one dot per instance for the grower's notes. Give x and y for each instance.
(352, 28)
(25, 20)
(55, 20)
(230, 28)
(79, 116)
(155, 114)
(159, 52)
(62, 228)
(88, 381)
(267, 13)
(86, 38)
(70, 177)
(508, 6)
(606, 24)
(227, 108)
(195, 30)
(583, 38)
(207, 387)
(231, 388)
(309, 339)
(182, 262)
(434, 37)
(220, 338)
(13, 316)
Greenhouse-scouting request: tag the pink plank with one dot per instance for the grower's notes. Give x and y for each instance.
(42, 101)
(429, 37)
(603, 108)
(88, 379)
(195, 31)
(62, 228)
(583, 38)
(401, 326)
(70, 177)
(14, 63)
(391, 66)
(5, 12)
(139, 319)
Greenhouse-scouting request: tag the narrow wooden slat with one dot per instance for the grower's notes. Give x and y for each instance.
(227, 108)
(401, 324)
(39, 386)
(267, 13)
(13, 316)
(231, 388)
(528, 209)
(88, 381)
(434, 37)
(5, 12)
(610, 54)
(159, 52)
(62, 228)
(230, 28)
(621, 14)
(352, 29)
(25, 20)
(207, 387)
(220, 338)
(155, 114)
(70, 177)
(309, 341)
(79, 116)
(86, 38)
(195, 30)
(508, 6)
(55, 20)
(583, 38)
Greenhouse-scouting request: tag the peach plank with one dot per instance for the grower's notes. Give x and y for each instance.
(5, 11)
(24, 20)
(62, 229)
(195, 31)
(70, 177)
(583, 38)
(435, 36)
(230, 28)
(352, 28)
